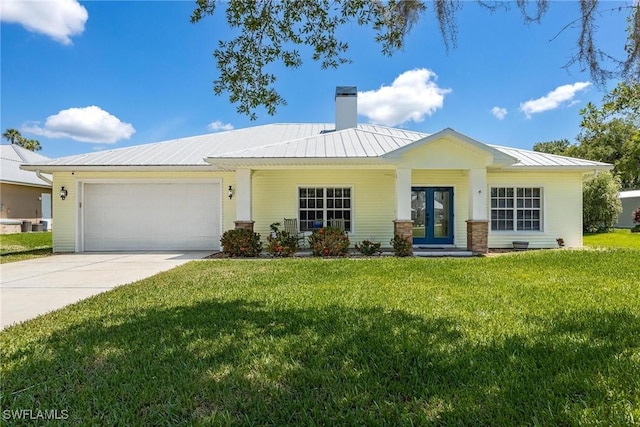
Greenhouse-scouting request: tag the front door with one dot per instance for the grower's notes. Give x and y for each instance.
(432, 215)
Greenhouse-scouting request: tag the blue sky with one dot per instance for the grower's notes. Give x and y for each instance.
(86, 76)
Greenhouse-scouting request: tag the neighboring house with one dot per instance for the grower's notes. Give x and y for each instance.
(444, 189)
(630, 202)
(23, 195)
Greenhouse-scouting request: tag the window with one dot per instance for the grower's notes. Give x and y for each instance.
(317, 206)
(516, 208)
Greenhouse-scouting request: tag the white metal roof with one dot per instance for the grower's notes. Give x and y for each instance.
(191, 151)
(12, 156)
(629, 194)
(363, 141)
(284, 143)
(527, 158)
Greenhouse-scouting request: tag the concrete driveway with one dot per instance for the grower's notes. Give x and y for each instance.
(34, 287)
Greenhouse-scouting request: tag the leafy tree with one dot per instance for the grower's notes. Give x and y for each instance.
(14, 137)
(30, 144)
(611, 133)
(271, 31)
(600, 203)
(561, 147)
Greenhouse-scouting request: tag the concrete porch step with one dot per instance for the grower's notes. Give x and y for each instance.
(442, 253)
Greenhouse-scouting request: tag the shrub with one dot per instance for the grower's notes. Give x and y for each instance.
(241, 243)
(329, 241)
(402, 246)
(635, 216)
(368, 248)
(281, 243)
(600, 203)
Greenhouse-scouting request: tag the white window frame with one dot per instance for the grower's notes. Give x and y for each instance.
(349, 226)
(515, 208)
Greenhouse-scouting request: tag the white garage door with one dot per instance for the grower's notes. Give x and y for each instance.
(151, 216)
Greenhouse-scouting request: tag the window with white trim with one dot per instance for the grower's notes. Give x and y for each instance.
(319, 205)
(516, 208)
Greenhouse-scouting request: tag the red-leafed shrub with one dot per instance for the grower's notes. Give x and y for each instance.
(329, 241)
(281, 243)
(241, 243)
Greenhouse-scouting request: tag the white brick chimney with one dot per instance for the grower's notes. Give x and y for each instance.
(346, 107)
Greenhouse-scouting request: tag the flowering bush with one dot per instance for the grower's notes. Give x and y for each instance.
(241, 243)
(368, 248)
(329, 241)
(401, 246)
(281, 243)
(635, 215)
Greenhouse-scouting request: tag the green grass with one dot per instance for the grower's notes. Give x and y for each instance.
(535, 338)
(618, 238)
(21, 246)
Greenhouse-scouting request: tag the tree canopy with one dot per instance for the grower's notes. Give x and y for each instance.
(272, 31)
(14, 137)
(610, 133)
(601, 205)
(561, 147)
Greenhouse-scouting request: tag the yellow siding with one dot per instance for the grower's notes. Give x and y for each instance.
(275, 197)
(445, 153)
(66, 212)
(561, 204)
(457, 179)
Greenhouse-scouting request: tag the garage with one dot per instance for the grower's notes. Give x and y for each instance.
(135, 216)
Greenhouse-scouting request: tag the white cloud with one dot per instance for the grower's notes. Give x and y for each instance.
(88, 124)
(58, 19)
(412, 96)
(554, 99)
(499, 112)
(218, 126)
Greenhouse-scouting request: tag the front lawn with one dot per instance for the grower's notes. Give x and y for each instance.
(536, 338)
(618, 238)
(21, 246)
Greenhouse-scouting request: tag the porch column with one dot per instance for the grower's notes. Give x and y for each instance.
(403, 194)
(242, 193)
(477, 194)
(478, 224)
(403, 224)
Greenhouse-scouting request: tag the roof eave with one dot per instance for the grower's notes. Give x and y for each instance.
(234, 162)
(584, 168)
(25, 184)
(115, 168)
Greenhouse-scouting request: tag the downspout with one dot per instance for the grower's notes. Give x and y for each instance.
(42, 177)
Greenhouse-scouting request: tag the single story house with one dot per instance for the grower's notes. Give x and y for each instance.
(443, 189)
(24, 195)
(630, 202)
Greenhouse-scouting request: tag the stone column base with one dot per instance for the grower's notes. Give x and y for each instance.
(477, 236)
(404, 229)
(244, 225)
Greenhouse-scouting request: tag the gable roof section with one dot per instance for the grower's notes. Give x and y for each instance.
(12, 156)
(295, 144)
(499, 157)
